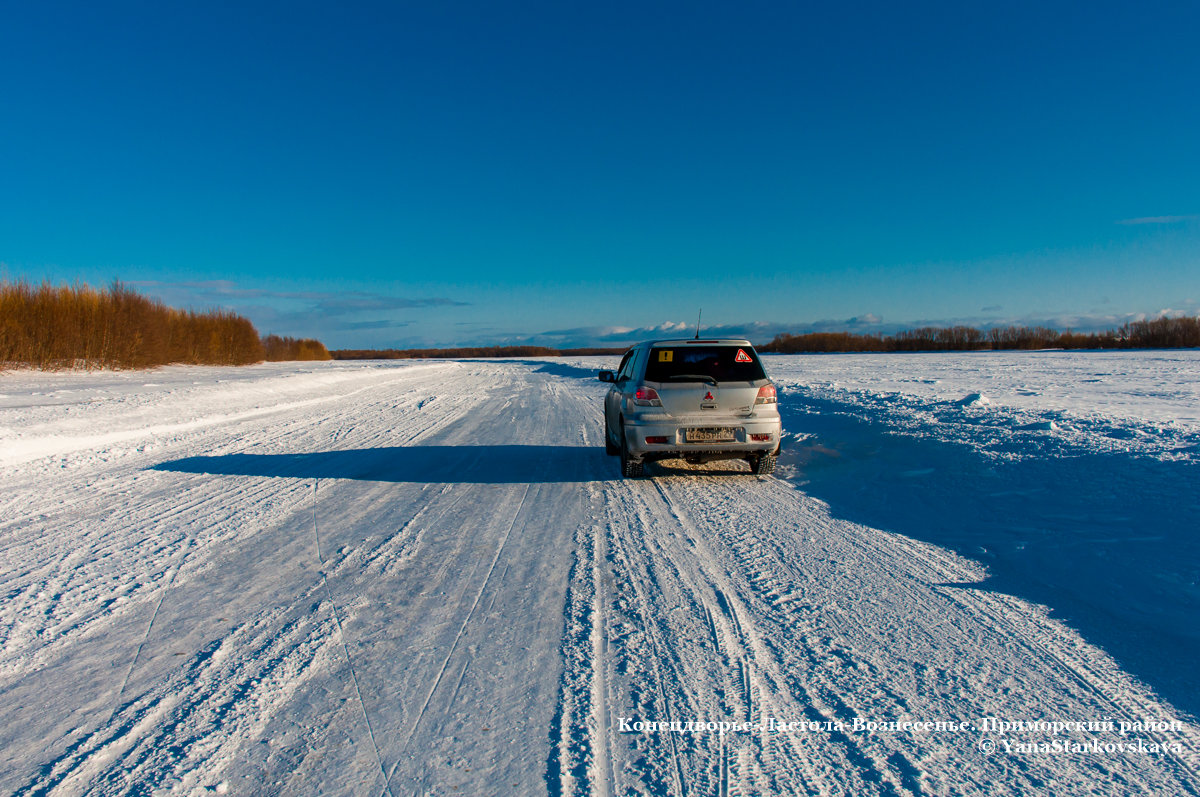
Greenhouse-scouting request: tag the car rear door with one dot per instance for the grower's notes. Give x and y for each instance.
(706, 380)
(612, 400)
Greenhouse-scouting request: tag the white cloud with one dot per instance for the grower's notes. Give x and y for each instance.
(1161, 219)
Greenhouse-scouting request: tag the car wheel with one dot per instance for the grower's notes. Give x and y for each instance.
(763, 464)
(629, 468)
(610, 448)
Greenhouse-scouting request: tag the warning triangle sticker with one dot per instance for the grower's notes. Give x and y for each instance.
(742, 357)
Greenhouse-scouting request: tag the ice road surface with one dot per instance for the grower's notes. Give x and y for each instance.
(426, 578)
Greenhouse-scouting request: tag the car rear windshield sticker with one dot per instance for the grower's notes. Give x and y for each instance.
(703, 363)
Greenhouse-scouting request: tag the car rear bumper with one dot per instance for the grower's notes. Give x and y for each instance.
(675, 431)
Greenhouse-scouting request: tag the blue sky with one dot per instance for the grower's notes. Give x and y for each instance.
(411, 174)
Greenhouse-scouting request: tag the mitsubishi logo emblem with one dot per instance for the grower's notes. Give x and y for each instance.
(708, 396)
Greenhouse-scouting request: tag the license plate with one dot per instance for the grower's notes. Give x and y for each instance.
(721, 435)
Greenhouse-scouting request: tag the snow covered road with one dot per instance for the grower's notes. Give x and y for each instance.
(427, 579)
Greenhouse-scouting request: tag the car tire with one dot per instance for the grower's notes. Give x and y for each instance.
(629, 468)
(763, 465)
(610, 448)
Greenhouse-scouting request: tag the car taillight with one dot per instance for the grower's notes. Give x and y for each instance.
(766, 395)
(656, 440)
(760, 438)
(646, 397)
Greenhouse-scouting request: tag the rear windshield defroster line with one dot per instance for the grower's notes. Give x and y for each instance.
(716, 362)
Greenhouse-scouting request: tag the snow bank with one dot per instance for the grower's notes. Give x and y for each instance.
(102, 414)
(1140, 402)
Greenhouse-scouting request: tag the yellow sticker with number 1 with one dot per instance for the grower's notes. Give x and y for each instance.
(665, 355)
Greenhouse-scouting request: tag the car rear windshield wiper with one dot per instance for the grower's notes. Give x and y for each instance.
(691, 378)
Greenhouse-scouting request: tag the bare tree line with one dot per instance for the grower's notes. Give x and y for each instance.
(467, 352)
(68, 326)
(1160, 333)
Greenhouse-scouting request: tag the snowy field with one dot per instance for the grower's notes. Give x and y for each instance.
(426, 578)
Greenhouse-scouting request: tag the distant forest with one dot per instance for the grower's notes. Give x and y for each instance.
(1161, 333)
(460, 353)
(72, 326)
(52, 327)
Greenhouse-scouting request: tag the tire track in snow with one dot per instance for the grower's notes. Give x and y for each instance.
(791, 761)
(206, 518)
(342, 640)
(600, 722)
(915, 570)
(115, 743)
(1043, 637)
(785, 696)
(141, 645)
(581, 759)
(21, 451)
(773, 584)
(185, 728)
(89, 603)
(649, 626)
(458, 637)
(572, 761)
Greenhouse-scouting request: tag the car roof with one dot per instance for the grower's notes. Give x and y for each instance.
(693, 342)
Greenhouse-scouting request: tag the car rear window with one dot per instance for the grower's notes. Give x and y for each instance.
(722, 363)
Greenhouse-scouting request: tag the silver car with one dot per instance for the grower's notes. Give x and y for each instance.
(697, 400)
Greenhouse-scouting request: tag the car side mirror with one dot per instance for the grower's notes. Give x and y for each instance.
(608, 376)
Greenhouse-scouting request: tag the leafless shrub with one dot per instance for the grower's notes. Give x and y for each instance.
(1161, 333)
(277, 349)
(65, 326)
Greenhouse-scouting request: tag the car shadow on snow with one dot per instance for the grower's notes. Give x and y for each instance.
(1106, 540)
(498, 464)
(576, 371)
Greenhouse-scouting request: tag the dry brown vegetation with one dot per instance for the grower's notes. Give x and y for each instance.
(278, 349)
(71, 326)
(460, 353)
(1161, 333)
